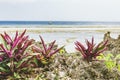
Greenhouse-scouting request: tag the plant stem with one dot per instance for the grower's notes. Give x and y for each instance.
(12, 65)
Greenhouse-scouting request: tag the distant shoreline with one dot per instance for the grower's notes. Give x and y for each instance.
(66, 36)
(59, 23)
(59, 26)
(61, 29)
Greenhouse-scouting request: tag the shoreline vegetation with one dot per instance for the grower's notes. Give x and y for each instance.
(64, 66)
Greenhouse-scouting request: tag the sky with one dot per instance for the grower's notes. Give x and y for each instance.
(60, 10)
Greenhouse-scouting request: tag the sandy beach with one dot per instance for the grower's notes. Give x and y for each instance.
(62, 29)
(66, 36)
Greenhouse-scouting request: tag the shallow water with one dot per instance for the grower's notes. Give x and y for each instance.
(68, 38)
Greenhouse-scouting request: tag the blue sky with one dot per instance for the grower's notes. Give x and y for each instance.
(60, 10)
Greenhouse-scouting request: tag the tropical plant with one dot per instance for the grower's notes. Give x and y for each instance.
(46, 52)
(13, 53)
(110, 61)
(92, 51)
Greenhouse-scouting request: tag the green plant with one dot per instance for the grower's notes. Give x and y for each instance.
(110, 61)
(91, 51)
(13, 55)
(118, 67)
(46, 52)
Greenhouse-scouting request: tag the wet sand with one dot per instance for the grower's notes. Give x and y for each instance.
(71, 29)
(66, 36)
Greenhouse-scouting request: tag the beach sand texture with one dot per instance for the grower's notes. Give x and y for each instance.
(66, 36)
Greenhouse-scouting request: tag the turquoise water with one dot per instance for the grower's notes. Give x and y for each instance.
(66, 38)
(57, 23)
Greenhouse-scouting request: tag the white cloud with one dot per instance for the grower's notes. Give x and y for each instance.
(77, 10)
(17, 1)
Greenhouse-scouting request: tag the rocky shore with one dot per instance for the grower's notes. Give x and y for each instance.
(71, 66)
(113, 44)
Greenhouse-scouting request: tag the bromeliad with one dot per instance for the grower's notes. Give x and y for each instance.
(91, 51)
(46, 52)
(13, 51)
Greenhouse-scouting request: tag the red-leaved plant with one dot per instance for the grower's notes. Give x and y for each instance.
(13, 52)
(46, 52)
(92, 51)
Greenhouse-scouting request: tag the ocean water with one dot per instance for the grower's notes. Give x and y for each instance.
(68, 38)
(33, 23)
(65, 38)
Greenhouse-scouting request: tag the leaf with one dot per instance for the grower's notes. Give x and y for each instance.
(44, 46)
(38, 77)
(117, 57)
(57, 50)
(24, 60)
(8, 38)
(1, 58)
(92, 51)
(35, 60)
(110, 64)
(4, 67)
(22, 40)
(78, 44)
(16, 75)
(3, 41)
(16, 35)
(22, 34)
(26, 45)
(100, 57)
(118, 67)
(51, 45)
(37, 49)
(108, 57)
(62, 51)
(6, 51)
(18, 39)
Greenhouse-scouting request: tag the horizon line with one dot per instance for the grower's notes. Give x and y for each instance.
(50, 21)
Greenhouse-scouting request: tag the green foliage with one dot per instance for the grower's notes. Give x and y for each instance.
(16, 76)
(38, 77)
(4, 68)
(62, 51)
(110, 64)
(118, 67)
(91, 51)
(13, 56)
(110, 61)
(46, 53)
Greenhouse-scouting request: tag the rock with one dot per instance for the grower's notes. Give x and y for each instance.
(62, 73)
(113, 44)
